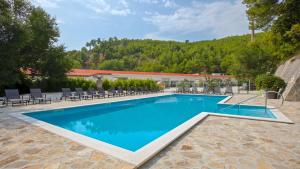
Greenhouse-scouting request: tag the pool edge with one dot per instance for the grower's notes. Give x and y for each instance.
(151, 149)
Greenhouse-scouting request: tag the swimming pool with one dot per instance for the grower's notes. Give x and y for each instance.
(133, 124)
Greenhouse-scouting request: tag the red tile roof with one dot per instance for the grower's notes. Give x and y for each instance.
(90, 72)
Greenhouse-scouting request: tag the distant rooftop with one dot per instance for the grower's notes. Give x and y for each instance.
(91, 72)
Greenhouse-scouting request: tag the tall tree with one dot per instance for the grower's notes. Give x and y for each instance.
(260, 14)
(28, 37)
(44, 34)
(14, 35)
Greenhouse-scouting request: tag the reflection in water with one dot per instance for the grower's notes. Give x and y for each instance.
(131, 124)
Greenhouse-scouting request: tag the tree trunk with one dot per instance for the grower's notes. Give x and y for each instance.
(252, 27)
(252, 35)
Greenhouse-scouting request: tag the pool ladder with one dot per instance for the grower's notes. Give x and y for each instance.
(279, 95)
(250, 98)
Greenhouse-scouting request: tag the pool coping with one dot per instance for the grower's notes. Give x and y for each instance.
(145, 153)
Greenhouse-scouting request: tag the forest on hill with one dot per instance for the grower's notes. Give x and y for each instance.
(155, 55)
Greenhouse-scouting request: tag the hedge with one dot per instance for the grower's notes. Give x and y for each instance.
(269, 82)
(55, 85)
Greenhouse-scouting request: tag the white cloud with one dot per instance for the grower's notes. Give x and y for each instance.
(156, 36)
(169, 4)
(103, 7)
(124, 3)
(165, 3)
(220, 19)
(148, 1)
(46, 3)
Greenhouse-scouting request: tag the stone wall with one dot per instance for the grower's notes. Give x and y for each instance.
(289, 71)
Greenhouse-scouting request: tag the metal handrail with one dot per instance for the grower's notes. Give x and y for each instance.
(239, 103)
(266, 99)
(250, 98)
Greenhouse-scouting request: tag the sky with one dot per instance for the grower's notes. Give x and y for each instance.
(80, 21)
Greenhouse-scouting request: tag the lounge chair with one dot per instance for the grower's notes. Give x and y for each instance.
(137, 91)
(82, 94)
(66, 93)
(194, 90)
(186, 90)
(37, 95)
(179, 89)
(101, 92)
(111, 93)
(120, 91)
(140, 90)
(217, 90)
(228, 90)
(94, 93)
(13, 96)
(130, 91)
(205, 90)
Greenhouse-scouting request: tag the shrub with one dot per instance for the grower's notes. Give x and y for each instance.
(269, 82)
(212, 83)
(106, 84)
(55, 85)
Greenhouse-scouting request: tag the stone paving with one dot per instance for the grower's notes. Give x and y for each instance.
(216, 142)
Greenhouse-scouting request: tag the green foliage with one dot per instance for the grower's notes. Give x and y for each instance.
(55, 84)
(106, 84)
(212, 83)
(27, 41)
(260, 13)
(253, 59)
(281, 17)
(157, 56)
(287, 14)
(14, 35)
(184, 84)
(269, 82)
(292, 37)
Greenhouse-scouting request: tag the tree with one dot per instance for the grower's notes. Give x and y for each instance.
(55, 64)
(14, 35)
(43, 34)
(28, 41)
(260, 14)
(287, 15)
(280, 16)
(254, 60)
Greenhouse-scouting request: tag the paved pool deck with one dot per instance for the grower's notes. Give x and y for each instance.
(215, 142)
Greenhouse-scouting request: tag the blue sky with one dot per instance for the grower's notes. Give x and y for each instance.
(82, 20)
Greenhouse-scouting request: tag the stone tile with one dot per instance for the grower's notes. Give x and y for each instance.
(8, 160)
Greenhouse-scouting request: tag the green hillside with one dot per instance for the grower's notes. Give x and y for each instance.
(158, 56)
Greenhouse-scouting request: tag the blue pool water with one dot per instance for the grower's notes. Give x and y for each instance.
(135, 123)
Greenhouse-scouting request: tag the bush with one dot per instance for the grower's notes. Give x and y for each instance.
(269, 82)
(106, 84)
(55, 85)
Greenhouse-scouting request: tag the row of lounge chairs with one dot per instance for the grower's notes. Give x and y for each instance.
(205, 90)
(36, 96)
(91, 93)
